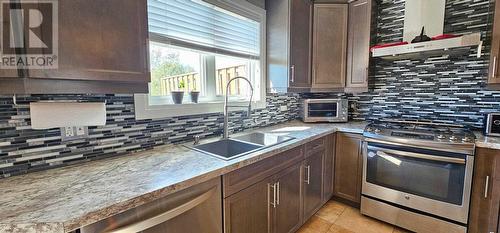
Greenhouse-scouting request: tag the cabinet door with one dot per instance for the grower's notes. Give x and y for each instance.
(348, 167)
(485, 192)
(287, 214)
(313, 183)
(329, 46)
(494, 76)
(103, 40)
(358, 49)
(249, 210)
(329, 167)
(300, 43)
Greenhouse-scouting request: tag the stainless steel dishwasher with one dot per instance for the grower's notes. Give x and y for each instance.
(197, 209)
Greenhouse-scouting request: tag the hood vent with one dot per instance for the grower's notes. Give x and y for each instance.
(429, 48)
(428, 15)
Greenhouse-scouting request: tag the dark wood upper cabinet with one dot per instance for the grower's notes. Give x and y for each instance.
(358, 46)
(329, 47)
(494, 76)
(348, 167)
(288, 45)
(300, 43)
(485, 202)
(102, 48)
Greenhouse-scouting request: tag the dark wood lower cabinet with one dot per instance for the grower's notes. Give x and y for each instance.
(249, 210)
(329, 167)
(287, 217)
(348, 167)
(313, 183)
(485, 202)
(276, 196)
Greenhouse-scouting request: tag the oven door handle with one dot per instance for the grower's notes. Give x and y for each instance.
(383, 151)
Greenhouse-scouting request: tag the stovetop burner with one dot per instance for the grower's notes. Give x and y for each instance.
(420, 132)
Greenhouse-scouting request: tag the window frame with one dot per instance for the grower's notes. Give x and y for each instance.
(145, 110)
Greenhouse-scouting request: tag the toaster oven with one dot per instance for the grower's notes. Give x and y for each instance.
(492, 125)
(324, 110)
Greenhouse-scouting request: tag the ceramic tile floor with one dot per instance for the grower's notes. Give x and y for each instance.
(335, 217)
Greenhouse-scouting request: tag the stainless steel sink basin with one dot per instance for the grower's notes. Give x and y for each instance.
(228, 149)
(265, 139)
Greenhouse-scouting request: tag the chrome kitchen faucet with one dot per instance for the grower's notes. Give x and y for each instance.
(226, 106)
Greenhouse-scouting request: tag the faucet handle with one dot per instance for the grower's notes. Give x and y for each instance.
(249, 111)
(196, 140)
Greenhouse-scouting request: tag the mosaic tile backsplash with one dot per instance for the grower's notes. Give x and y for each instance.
(444, 89)
(24, 150)
(448, 88)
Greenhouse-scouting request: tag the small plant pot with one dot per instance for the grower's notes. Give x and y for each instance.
(177, 96)
(194, 96)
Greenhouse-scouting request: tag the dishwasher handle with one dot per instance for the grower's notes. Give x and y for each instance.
(170, 214)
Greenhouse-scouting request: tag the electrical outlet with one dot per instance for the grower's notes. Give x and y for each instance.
(73, 132)
(68, 131)
(80, 130)
(283, 108)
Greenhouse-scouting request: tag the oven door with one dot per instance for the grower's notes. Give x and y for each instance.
(437, 183)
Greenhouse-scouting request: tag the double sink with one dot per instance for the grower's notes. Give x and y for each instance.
(231, 148)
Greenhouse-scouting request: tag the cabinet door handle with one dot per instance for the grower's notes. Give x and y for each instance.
(293, 73)
(486, 186)
(278, 193)
(494, 73)
(308, 174)
(273, 203)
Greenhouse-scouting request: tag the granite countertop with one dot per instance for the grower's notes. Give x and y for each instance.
(64, 199)
(487, 142)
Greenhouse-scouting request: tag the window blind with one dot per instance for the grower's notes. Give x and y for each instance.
(196, 23)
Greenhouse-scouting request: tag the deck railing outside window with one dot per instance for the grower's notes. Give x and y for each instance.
(192, 81)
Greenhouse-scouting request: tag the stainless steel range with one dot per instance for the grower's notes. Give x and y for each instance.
(418, 175)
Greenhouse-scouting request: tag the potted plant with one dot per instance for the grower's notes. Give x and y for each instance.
(194, 94)
(178, 95)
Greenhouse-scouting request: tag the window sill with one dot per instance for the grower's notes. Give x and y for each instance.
(143, 110)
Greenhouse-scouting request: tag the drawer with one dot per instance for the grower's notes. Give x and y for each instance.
(315, 146)
(251, 174)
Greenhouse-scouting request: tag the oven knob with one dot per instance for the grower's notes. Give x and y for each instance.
(377, 130)
(497, 122)
(467, 139)
(441, 136)
(453, 138)
(407, 197)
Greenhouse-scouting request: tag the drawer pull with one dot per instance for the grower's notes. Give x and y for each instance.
(273, 186)
(486, 186)
(308, 174)
(494, 73)
(278, 193)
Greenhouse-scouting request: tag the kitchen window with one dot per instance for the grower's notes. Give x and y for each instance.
(199, 46)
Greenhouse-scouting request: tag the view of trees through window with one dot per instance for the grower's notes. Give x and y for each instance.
(167, 62)
(174, 69)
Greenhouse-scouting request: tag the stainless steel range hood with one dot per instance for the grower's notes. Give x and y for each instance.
(434, 47)
(429, 14)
